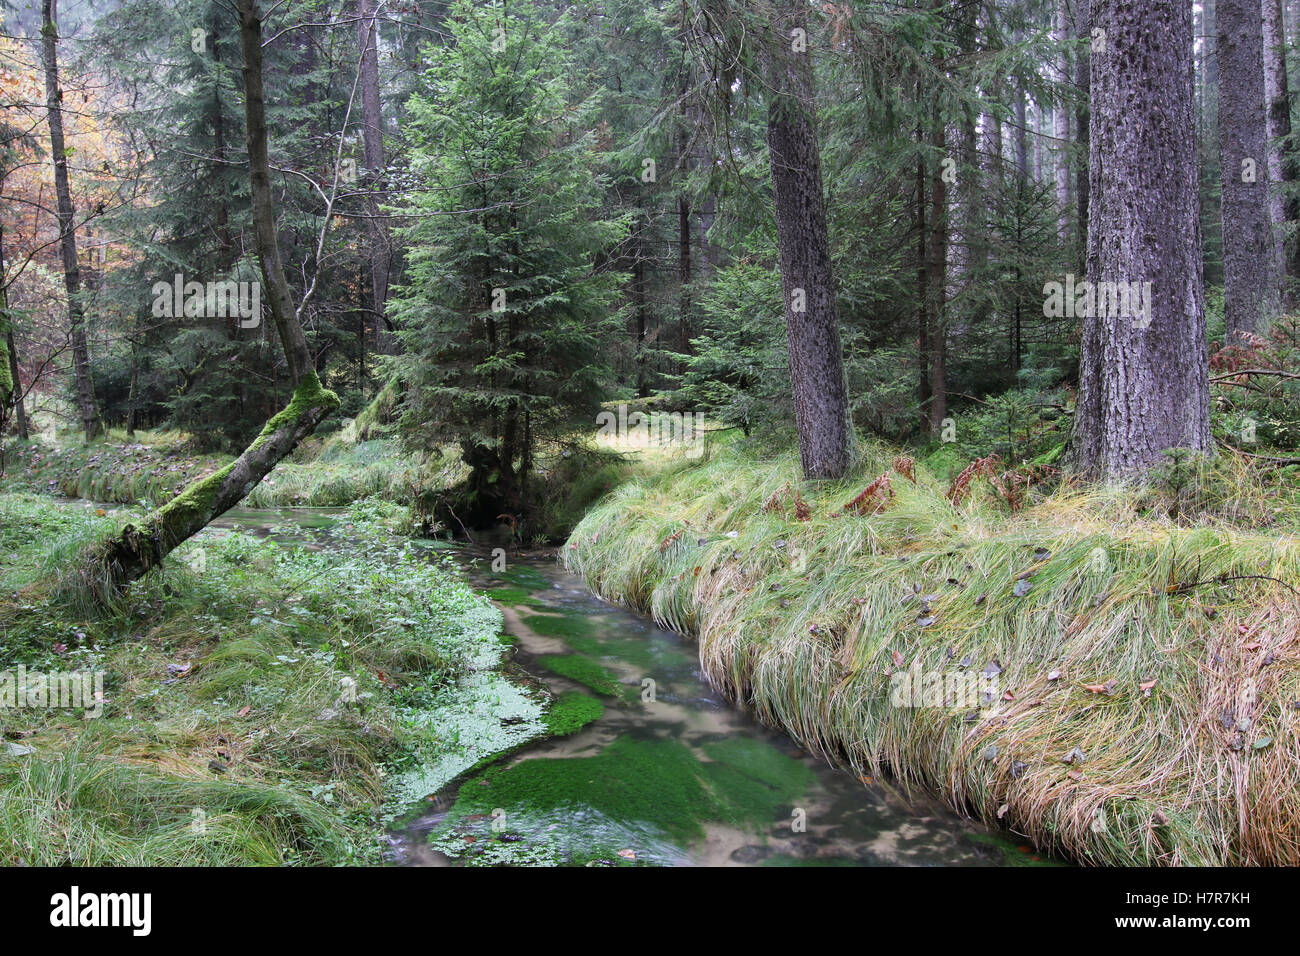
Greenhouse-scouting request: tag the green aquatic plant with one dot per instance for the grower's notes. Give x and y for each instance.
(572, 711)
(583, 670)
(643, 800)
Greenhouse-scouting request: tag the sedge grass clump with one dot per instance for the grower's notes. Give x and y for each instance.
(265, 694)
(1131, 676)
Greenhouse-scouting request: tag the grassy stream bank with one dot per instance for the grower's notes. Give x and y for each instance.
(1137, 677)
(256, 704)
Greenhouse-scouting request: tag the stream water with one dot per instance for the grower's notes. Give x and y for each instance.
(669, 772)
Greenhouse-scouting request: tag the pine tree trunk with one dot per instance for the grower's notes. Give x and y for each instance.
(812, 325)
(1021, 136)
(67, 228)
(1143, 385)
(1061, 129)
(372, 138)
(937, 287)
(1249, 286)
(112, 563)
(1283, 211)
(1082, 29)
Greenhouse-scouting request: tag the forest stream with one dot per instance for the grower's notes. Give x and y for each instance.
(767, 802)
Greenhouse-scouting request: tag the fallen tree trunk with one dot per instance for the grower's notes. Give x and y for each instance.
(137, 549)
(111, 564)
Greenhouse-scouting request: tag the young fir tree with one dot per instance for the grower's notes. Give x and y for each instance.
(506, 303)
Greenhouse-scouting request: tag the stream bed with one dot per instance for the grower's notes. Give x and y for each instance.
(647, 764)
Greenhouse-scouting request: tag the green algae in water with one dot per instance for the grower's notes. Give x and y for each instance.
(594, 636)
(576, 629)
(572, 711)
(583, 670)
(524, 577)
(650, 796)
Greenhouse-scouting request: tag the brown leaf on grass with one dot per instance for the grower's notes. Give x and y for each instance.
(244, 711)
(898, 659)
(1146, 687)
(980, 467)
(905, 465)
(874, 498)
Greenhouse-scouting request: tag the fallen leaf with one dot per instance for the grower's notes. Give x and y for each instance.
(627, 854)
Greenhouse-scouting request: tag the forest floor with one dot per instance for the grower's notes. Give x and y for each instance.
(1113, 673)
(151, 468)
(260, 705)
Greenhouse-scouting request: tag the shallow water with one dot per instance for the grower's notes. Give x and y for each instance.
(677, 776)
(813, 814)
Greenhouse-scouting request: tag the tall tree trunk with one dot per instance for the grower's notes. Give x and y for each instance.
(812, 325)
(372, 138)
(922, 291)
(11, 384)
(1249, 287)
(127, 556)
(937, 286)
(1022, 130)
(1082, 29)
(15, 398)
(1284, 210)
(1143, 380)
(684, 305)
(67, 228)
(1061, 127)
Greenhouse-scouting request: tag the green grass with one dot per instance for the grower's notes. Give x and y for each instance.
(1077, 600)
(152, 469)
(254, 711)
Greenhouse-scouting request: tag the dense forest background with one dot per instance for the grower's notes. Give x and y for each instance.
(495, 217)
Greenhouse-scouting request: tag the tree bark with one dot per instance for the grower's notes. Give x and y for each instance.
(1284, 210)
(1143, 381)
(1249, 286)
(937, 286)
(812, 324)
(67, 229)
(135, 551)
(1083, 30)
(1061, 127)
(11, 384)
(372, 137)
